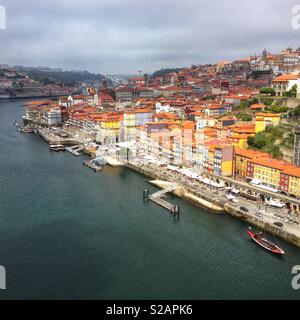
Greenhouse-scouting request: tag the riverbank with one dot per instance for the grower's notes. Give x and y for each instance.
(290, 232)
(211, 200)
(68, 218)
(30, 96)
(184, 194)
(52, 138)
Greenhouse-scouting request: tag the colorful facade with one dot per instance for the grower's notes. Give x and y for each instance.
(264, 120)
(223, 161)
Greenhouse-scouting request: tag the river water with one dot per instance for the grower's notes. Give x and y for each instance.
(69, 233)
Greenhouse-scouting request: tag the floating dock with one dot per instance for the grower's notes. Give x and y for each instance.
(157, 198)
(75, 150)
(92, 165)
(166, 205)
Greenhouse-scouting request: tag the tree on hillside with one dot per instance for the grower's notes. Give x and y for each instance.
(277, 109)
(267, 91)
(251, 141)
(267, 101)
(292, 93)
(247, 104)
(244, 117)
(257, 142)
(163, 72)
(295, 113)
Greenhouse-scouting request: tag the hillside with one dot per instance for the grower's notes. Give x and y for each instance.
(163, 72)
(274, 140)
(66, 77)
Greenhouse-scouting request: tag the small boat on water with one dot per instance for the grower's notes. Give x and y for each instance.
(26, 130)
(266, 244)
(56, 147)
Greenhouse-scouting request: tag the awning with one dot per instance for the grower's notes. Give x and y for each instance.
(255, 181)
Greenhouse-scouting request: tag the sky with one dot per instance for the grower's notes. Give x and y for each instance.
(127, 36)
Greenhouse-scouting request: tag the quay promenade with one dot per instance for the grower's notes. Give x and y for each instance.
(52, 138)
(217, 202)
(207, 197)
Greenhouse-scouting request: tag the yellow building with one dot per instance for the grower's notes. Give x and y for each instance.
(242, 156)
(290, 180)
(223, 160)
(239, 140)
(294, 186)
(240, 165)
(268, 171)
(239, 133)
(264, 120)
(111, 121)
(109, 128)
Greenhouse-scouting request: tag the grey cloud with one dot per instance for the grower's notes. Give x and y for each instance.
(123, 36)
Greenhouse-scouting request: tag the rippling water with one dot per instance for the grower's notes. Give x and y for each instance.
(68, 233)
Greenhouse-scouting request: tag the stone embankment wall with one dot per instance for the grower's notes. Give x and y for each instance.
(291, 238)
(220, 207)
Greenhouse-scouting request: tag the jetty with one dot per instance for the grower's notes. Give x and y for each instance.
(161, 193)
(75, 150)
(157, 198)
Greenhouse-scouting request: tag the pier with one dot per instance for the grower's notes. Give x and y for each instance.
(161, 193)
(166, 205)
(207, 198)
(75, 150)
(157, 198)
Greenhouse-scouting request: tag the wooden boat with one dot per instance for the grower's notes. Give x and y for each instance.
(266, 244)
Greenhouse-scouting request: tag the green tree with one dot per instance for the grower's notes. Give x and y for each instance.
(244, 117)
(292, 93)
(295, 113)
(260, 140)
(277, 109)
(243, 105)
(253, 101)
(267, 101)
(267, 91)
(251, 141)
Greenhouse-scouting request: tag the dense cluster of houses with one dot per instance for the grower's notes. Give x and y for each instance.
(186, 118)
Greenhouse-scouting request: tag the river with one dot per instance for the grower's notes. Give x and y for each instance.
(70, 233)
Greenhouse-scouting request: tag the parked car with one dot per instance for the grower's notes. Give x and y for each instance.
(278, 224)
(244, 209)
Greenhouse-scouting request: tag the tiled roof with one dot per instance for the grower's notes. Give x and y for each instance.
(286, 77)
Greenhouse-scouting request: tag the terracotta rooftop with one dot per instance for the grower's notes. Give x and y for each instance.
(286, 77)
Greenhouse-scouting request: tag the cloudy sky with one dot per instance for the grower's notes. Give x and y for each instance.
(125, 36)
